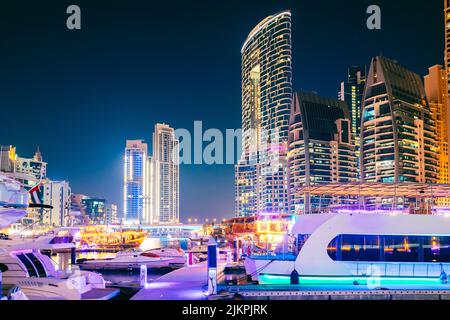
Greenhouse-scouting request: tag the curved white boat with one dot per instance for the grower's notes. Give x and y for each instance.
(25, 266)
(13, 201)
(134, 258)
(362, 245)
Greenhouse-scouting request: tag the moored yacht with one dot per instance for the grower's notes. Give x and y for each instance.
(132, 259)
(26, 266)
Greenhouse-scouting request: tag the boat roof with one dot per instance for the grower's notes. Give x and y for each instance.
(403, 189)
(374, 223)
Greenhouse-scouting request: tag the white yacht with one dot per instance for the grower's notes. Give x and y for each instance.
(361, 245)
(132, 259)
(27, 267)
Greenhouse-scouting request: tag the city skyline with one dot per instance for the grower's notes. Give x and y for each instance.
(192, 178)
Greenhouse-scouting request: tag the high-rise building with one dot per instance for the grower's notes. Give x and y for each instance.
(321, 148)
(31, 170)
(95, 210)
(165, 162)
(111, 214)
(266, 101)
(57, 194)
(398, 134)
(447, 48)
(247, 188)
(7, 158)
(136, 189)
(351, 92)
(152, 182)
(436, 91)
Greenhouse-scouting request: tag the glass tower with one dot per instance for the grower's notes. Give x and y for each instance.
(398, 134)
(321, 148)
(352, 92)
(135, 178)
(266, 100)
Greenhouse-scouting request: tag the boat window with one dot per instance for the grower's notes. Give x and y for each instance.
(149, 254)
(37, 264)
(3, 267)
(391, 248)
(401, 248)
(436, 249)
(27, 263)
(359, 248)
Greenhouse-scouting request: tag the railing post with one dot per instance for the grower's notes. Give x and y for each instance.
(212, 266)
(143, 275)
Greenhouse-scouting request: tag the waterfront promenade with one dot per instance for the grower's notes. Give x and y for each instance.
(188, 283)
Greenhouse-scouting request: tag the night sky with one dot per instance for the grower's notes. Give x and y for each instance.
(80, 94)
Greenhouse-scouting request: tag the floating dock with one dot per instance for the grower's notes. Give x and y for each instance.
(188, 283)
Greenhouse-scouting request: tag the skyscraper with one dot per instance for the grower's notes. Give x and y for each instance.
(352, 92)
(398, 134)
(447, 47)
(136, 189)
(321, 148)
(436, 91)
(266, 101)
(165, 162)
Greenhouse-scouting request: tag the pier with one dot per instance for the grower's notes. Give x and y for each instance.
(188, 283)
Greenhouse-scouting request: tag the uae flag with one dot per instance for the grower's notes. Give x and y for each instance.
(36, 196)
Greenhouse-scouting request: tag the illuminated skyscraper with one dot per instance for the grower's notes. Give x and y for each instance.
(352, 93)
(166, 186)
(136, 189)
(398, 134)
(447, 46)
(321, 148)
(266, 102)
(436, 91)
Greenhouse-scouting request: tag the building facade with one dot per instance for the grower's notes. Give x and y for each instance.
(321, 148)
(436, 91)
(266, 101)
(447, 47)
(111, 214)
(398, 133)
(351, 92)
(57, 194)
(95, 210)
(136, 189)
(166, 184)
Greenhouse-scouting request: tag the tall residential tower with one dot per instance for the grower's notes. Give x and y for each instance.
(166, 185)
(436, 91)
(398, 134)
(321, 148)
(352, 93)
(261, 176)
(136, 189)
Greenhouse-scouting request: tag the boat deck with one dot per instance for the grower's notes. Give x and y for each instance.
(100, 294)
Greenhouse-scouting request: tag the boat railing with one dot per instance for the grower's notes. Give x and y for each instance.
(397, 269)
(288, 256)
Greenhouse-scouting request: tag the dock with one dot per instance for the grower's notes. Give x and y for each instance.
(188, 283)
(341, 292)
